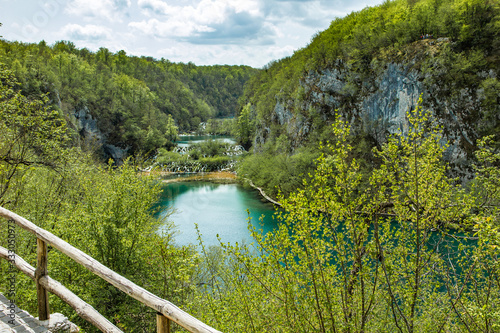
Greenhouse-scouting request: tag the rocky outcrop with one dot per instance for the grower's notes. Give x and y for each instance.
(396, 91)
(377, 101)
(117, 154)
(60, 324)
(87, 126)
(92, 137)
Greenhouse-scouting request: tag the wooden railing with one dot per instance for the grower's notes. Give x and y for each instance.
(166, 311)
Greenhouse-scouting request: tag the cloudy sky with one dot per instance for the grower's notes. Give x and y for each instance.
(206, 32)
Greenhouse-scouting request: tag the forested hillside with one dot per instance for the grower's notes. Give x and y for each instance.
(359, 135)
(219, 86)
(130, 104)
(372, 66)
(62, 110)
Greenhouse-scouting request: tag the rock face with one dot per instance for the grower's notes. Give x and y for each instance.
(397, 91)
(92, 136)
(87, 125)
(377, 102)
(60, 324)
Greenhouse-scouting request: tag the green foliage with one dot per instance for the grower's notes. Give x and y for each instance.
(216, 163)
(136, 101)
(364, 244)
(116, 226)
(31, 134)
(412, 178)
(208, 148)
(488, 173)
(486, 189)
(359, 46)
(491, 106)
(104, 211)
(220, 86)
(245, 126)
(356, 51)
(482, 303)
(279, 168)
(278, 171)
(347, 257)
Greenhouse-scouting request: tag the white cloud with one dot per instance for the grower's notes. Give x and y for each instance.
(251, 32)
(88, 32)
(226, 54)
(189, 20)
(108, 9)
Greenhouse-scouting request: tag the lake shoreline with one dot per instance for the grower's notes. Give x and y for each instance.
(219, 177)
(222, 212)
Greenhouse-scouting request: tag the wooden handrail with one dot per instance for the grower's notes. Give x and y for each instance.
(84, 310)
(160, 305)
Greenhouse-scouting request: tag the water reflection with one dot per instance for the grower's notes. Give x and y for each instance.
(217, 209)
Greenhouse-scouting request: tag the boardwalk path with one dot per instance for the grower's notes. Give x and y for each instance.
(23, 322)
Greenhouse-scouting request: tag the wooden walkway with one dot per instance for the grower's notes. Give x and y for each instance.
(23, 322)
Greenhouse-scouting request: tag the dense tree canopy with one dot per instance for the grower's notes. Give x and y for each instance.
(396, 254)
(356, 51)
(131, 98)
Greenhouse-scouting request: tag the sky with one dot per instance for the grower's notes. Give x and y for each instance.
(205, 32)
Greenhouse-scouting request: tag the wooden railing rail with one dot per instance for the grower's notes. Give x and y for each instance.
(166, 310)
(84, 310)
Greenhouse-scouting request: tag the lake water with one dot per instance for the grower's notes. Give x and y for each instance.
(217, 209)
(187, 140)
(222, 209)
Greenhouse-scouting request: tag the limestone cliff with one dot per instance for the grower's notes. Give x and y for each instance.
(376, 101)
(91, 136)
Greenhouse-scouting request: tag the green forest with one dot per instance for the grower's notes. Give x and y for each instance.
(453, 76)
(139, 104)
(374, 235)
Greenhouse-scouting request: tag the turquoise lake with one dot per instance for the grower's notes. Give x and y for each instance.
(217, 209)
(221, 209)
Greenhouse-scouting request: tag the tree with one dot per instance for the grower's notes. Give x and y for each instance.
(172, 131)
(107, 212)
(31, 134)
(412, 180)
(352, 256)
(245, 126)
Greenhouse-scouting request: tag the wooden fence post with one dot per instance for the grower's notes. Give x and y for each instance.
(42, 280)
(162, 323)
(41, 270)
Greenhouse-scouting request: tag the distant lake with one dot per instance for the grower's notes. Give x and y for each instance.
(187, 140)
(217, 209)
